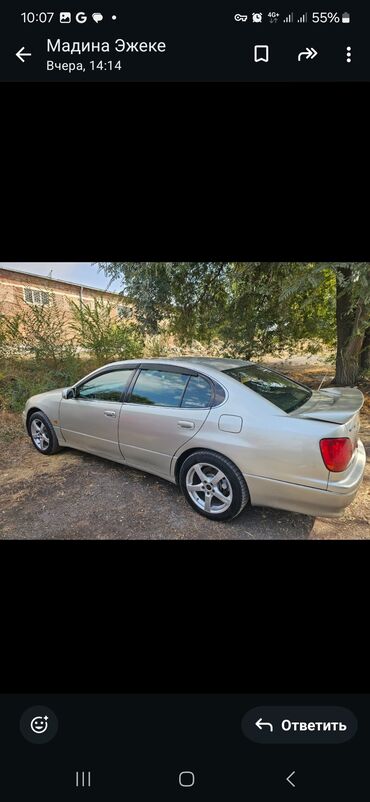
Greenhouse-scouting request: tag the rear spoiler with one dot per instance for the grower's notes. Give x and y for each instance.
(334, 404)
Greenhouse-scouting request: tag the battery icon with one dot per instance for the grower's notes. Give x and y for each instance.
(346, 17)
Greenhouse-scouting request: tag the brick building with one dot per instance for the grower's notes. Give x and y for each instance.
(18, 287)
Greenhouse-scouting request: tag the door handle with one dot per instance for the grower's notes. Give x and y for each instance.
(185, 424)
(109, 413)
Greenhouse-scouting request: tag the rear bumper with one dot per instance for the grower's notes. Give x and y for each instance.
(308, 500)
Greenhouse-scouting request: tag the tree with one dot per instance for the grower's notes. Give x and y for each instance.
(257, 307)
(353, 316)
(185, 293)
(272, 308)
(365, 353)
(98, 329)
(238, 302)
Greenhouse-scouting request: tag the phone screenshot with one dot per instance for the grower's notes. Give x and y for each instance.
(195, 42)
(192, 747)
(184, 401)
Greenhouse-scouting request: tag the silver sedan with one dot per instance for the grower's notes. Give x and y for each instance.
(228, 431)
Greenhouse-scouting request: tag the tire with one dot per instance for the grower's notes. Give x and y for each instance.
(231, 487)
(48, 442)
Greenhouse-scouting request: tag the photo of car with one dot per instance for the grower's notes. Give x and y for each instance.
(229, 432)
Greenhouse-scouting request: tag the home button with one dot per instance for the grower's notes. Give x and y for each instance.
(186, 779)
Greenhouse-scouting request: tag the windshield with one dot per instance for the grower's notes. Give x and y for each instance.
(281, 391)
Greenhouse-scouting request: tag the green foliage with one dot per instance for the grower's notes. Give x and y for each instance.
(151, 281)
(257, 307)
(253, 307)
(244, 309)
(39, 331)
(184, 293)
(354, 280)
(37, 354)
(23, 377)
(10, 337)
(38, 351)
(102, 334)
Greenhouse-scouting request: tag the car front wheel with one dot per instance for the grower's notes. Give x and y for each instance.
(42, 434)
(213, 485)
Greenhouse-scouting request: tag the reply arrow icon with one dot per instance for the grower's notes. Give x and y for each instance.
(261, 724)
(20, 54)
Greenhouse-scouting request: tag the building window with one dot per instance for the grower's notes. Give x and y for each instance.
(124, 312)
(37, 297)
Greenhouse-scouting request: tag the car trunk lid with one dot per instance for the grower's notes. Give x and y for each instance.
(339, 405)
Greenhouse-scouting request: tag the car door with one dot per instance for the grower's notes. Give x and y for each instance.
(166, 407)
(89, 421)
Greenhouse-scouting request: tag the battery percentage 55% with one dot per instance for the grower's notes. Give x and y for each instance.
(326, 16)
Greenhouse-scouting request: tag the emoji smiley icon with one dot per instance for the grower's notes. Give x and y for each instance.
(39, 724)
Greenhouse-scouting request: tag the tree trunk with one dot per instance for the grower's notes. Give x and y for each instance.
(365, 353)
(349, 342)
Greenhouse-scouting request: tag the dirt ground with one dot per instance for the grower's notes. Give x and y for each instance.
(72, 495)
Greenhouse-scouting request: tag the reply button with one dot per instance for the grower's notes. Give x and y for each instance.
(293, 725)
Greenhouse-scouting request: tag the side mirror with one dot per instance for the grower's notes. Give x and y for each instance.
(68, 392)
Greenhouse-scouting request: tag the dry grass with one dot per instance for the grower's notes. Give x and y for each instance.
(10, 426)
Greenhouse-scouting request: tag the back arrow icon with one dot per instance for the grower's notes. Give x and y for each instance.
(310, 52)
(20, 54)
(289, 780)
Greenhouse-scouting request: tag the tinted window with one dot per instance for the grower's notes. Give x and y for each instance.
(219, 394)
(159, 388)
(199, 393)
(106, 386)
(278, 389)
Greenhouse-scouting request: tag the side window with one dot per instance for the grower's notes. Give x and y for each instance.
(219, 395)
(159, 388)
(106, 386)
(199, 393)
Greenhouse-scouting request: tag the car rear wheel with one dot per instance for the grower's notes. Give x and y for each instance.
(42, 434)
(213, 485)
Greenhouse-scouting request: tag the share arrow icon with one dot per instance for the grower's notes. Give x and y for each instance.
(310, 52)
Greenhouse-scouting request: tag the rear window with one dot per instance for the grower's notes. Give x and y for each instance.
(199, 393)
(281, 391)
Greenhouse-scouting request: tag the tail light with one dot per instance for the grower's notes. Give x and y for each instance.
(336, 452)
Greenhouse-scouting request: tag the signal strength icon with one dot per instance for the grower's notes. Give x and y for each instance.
(289, 18)
(303, 18)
